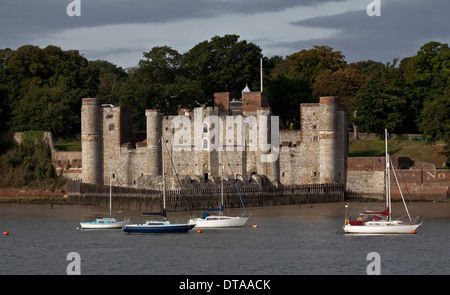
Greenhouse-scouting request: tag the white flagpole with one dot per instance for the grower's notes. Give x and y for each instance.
(261, 65)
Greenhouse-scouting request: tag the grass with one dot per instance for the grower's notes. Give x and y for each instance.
(416, 150)
(68, 146)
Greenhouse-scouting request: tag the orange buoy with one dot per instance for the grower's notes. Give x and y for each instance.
(6, 233)
(199, 231)
(413, 232)
(255, 225)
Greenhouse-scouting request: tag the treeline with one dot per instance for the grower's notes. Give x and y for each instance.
(41, 89)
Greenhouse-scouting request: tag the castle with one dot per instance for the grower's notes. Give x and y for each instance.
(238, 134)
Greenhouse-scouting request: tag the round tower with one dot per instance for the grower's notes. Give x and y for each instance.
(327, 139)
(154, 133)
(91, 143)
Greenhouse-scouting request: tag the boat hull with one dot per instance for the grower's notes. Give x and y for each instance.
(103, 223)
(157, 229)
(219, 221)
(388, 227)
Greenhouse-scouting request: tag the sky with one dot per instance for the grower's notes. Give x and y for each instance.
(119, 31)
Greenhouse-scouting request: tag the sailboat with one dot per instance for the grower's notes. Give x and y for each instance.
(381, 222)
(156, 226)
(105, 222)
(220, 220)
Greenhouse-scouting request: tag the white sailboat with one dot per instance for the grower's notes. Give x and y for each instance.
(220, 220)
(157, 226)
(105, 222)
(381, 222)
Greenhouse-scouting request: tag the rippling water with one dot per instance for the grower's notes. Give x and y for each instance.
(285, 242)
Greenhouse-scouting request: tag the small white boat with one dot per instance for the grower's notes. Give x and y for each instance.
(381, 222)
(220, 220)
(103, 223)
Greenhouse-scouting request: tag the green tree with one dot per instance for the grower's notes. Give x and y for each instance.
(159, 83)
(380, 102)
(223, 64)
(343, 83)
(111, 79)
(50, 81)
(312, 62)
(4, 91)
(426, 74)
(436, 120)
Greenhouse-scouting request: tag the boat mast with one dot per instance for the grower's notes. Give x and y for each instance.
(222, 167)
(388, 178)
(163, 175)
(110, 187)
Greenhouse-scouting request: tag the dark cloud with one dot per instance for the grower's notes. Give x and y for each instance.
(399, 32)
(404, 25)
(24, 20)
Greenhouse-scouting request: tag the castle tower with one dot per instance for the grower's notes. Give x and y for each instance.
(154, 133)
(91, 141)
(268, 160)
(330, 147)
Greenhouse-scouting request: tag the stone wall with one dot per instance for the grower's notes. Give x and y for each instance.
(366, 175)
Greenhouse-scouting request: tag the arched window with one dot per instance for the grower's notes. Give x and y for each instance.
(205, 144)
(205, 127)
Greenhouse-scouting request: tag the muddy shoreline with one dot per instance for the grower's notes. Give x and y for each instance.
(317, 210)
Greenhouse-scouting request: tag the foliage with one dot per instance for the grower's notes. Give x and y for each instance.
(344, 83)
(380, 102)
(223, 64)
(436, 120)
(41, 89)
(28, 164)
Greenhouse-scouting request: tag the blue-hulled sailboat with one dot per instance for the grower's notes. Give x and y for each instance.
(155, 226)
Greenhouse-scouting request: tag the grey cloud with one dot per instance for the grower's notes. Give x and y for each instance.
(399, 32)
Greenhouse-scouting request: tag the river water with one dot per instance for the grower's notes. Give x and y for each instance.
(289, 240)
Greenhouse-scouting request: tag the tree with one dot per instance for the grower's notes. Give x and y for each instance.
(45, 87)
(223, 64)
(436, 120)
(158, 83)
(111, 79)
(380, 102)
(4, 91)
(312, 62)
(286, 93)
(427, 74)
(343, 83)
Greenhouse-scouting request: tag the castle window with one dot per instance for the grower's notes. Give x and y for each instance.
(315, 174)
(316, 138)
(314, 127)
(205, 144)
(111, 127)
(205, 127)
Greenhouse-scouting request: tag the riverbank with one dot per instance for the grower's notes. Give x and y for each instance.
(307, 211)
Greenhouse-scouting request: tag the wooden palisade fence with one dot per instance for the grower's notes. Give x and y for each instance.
(181, 200)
